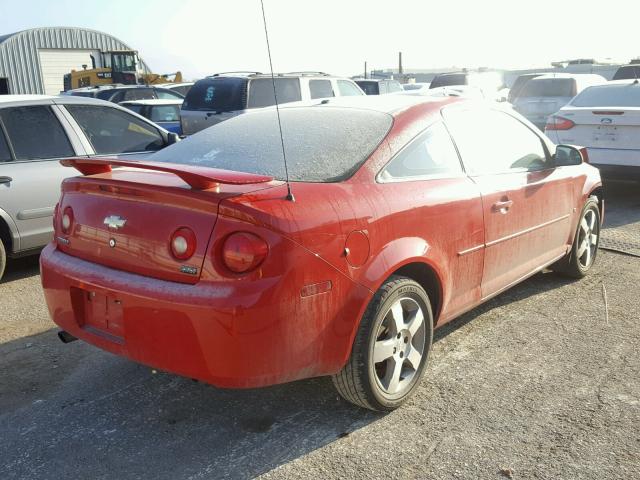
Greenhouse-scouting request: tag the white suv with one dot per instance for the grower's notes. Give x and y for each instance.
(224, 95)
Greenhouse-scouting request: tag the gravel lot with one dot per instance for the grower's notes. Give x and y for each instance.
(538, 383)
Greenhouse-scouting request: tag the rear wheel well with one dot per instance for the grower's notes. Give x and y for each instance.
(599, 194)
(428, 280)
(5, 236)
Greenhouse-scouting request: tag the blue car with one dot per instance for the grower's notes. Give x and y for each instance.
(165, 113)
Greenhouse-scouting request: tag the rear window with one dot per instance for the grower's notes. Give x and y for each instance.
(261, 91)
(630, 72)
(449, 80)
(165, 113)
(609, 96)
(218, 94)
(323, 143)
(549, 87)
(369, 87)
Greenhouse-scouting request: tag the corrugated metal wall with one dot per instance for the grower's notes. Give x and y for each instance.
(19, 60)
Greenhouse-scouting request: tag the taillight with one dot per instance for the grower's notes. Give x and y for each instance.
(243, 252)
(66, 222)
(555, 122)
(183, 243)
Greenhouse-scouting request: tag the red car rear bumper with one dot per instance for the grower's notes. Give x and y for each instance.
(224, 333)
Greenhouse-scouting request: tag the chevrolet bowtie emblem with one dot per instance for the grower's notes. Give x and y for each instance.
(114, 221)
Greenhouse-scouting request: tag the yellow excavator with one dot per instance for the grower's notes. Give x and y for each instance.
(116, 66)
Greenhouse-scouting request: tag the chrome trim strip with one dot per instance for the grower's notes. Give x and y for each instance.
(528, 230)
(35, 213)
(471, 250)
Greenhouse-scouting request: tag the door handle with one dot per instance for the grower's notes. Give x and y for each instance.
(502, 206)
(6, 179)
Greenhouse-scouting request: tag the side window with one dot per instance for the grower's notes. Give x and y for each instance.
(113, 131)
(167, 95)
(35, 133)
(495, 142)
(165, 113)
(430, 154)
(261, 91)
(382, 88)
(320, 89)
(395, 87)
(348, 89)
(5, 153)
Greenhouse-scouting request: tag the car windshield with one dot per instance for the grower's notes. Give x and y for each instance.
(323, 143)
(368, 86)
(217, 94)
(548, 87)
(609, 96)
(449, 80)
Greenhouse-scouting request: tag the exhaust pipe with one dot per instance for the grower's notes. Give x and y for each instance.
(66, 337)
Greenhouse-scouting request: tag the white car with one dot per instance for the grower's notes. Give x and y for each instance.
(416, 86)
(605, 119)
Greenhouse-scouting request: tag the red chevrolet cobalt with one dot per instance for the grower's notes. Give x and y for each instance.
(403, 214)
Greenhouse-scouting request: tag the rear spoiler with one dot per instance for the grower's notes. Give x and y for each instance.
(199, 178)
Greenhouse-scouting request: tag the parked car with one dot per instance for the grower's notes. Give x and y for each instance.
(165, 113)
(199, 261)
(123, 93)
(491, 83)
(544, 95)
(519, 83)
(182, 88)
(606, 120)
(225, 95)
(377, 86)
(627, 72)
(409, 87)
(36, 131)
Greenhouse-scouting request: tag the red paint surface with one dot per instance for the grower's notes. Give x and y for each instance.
(274, 324)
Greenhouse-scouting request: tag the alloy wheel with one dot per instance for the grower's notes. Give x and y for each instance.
(587, 239)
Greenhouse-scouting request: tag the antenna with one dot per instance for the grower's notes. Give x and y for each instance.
(275, 96)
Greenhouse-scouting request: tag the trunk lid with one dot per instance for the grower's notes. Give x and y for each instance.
(125, 218)
(602, 127)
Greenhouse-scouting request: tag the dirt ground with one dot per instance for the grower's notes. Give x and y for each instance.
(541, 382)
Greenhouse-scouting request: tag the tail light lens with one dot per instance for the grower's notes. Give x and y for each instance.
(66, 222)
(555, 122)
(243, 252)
(183, 243)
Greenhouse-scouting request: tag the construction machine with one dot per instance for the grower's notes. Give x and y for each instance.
(116, 67)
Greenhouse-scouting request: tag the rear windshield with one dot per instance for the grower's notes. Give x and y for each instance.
(548, 87)
(217, 94)
(629, 72)
(609, 96)
(322, 143)
(370, 88)
(449, 80)
(82, 94)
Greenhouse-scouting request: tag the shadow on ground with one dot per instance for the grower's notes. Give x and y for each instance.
(74, 411)
(20, 268)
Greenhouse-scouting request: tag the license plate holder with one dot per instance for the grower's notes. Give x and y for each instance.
(104, 313)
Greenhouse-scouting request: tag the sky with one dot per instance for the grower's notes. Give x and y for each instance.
(201, 37)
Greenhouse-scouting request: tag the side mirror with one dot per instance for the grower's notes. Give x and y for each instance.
(569, 155)
(172, 138)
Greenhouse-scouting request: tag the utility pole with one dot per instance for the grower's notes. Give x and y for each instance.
(400, 71)
(365, 69)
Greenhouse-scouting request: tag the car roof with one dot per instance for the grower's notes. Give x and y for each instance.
(377, 80)
(390, 104)
(153, 101)
(566, 75)
(23, 98)
(250, 75)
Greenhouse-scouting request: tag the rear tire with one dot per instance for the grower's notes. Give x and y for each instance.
(585, 243)
(391, 347)
(3, 259)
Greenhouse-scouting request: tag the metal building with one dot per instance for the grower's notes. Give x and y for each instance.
(35, 61)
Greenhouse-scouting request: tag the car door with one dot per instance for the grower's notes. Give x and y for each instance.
(446, 212)
(37, 137)
(527, 202)
(114, 132)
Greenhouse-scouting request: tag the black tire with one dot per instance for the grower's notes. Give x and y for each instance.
(3, 259)
(573, 265)
(359, 381)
